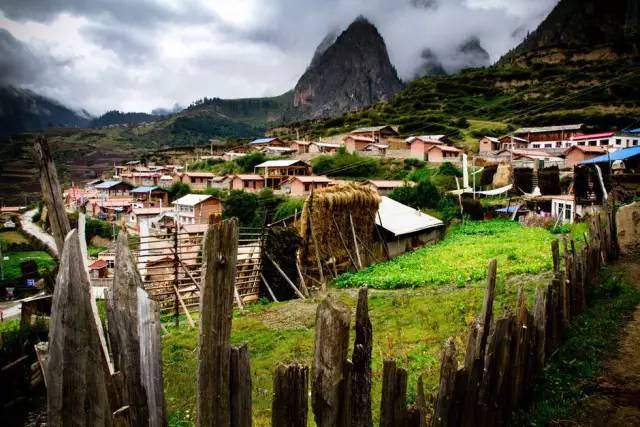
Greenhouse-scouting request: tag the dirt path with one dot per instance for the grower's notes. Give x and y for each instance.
(30, 228)
(616, 398)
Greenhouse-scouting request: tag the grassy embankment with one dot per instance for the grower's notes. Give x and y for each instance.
(410, 325)
(12, 265)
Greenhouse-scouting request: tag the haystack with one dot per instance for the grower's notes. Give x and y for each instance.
(503, 176)
(325, 220)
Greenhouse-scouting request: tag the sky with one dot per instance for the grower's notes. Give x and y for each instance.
(140, 55)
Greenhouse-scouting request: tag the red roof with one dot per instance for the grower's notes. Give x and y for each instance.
(200, 174)
(587, 149)
(319, 179)
(248, 177)
(98, 264)
(445, 148)
(592, 136)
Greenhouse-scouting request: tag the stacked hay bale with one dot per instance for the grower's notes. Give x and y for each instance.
(503, 175)
(325, 222)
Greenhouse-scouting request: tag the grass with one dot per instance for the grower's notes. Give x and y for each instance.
(518, 250)
(12, 266)
(95, 250)
(13, 237)
(593, 337)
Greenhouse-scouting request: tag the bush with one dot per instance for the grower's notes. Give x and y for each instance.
(288, 208)
(448, 168)
(423, 195)
(179, 189)
(98, 227)
(347, 165)
(249, 161)
(241, 205)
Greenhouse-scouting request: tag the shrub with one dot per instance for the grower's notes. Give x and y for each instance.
(448, 168)
(98, 227)
(423, 195)
(179, 189)
(249, 161)
(241, 205)
(288, 208)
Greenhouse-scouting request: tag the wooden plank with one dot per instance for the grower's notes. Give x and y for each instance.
(266, 284)
(315, 246)
(344, 244)
(555, 253)
(184, 307)
(448, 369)
(421, 403)
(361, 359)
(52, 193)
(75, 395)
(303, 285)
(42, 354)
(540, 323)
(290, 396)
(220, 252)
(286, 278)
(355, 241)
(240, 383)
(393, 407)
(329, 396)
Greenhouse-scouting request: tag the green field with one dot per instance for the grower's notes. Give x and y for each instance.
(10, 237)
(12, 265)
(410, 325)
(462, 257)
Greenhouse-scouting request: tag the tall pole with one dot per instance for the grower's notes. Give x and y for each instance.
(175, 276)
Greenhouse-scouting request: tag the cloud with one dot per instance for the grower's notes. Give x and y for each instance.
(141, 54)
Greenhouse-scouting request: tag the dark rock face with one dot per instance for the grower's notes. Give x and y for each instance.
(582, 29)
(353, 72)
(471, 54)
(430, 65)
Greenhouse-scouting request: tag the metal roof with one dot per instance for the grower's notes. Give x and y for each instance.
(107, 184)
(400, 219)
(548, 128)
(592, 136)
(372, 129)
(262, 140)
(623, 154)
(278, 163)
(191, 199)
(145, 189)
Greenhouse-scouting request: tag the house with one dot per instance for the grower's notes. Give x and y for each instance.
(439, 138)
(547, 136)
(404, 228)
(377, 133)
(111, 209)
(75, 197)
(419, 145)
(281, 151)
(563, 208)
(510, 142)
(300, 147)
(140, 177)
(165, 181)
(377, 149)
(488, 144)
(603, 139)
(354, 143)
(324, 147)
(274, 142)
(578, 153)
(196, 180)
(98, 269)
(527, 157)
(93, 183)
(302, 185)
(628, 139)
(385, 187)
(197, 208)
(442, 153)
(220, 182)
(150, 196)
(110, 189)
(246, 182)
(139, 217)
(277, 171)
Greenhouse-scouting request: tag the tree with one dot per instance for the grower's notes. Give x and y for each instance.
(249, 161)
(241, 205)
(179, 189)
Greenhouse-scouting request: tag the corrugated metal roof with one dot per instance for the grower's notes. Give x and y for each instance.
(262, 140)
(191, 199)
(145, 189)
(623, 154)
(548, 128)
(372, 129)
(400, 219)
(278, 163)
(107, 184)
(593, 136)
(309, 179)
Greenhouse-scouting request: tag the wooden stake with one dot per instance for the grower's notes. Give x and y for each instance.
(355, 241)
(344, 243)
(266, 284)
(361, 370)
(393, 407)
(290, 396)
(286, 278)
(184, 307)
(240, 384)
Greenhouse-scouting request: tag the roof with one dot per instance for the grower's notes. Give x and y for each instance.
(115, 203)
(146, 211)
(146, 189)
(388, 183)
(248, 177)
(373, 129)
(191, 199)
(263, 140)
(108, 184)
(430, 138)
(301, 142)
(166, 178)
(587, 149)
(283, 149)
(328, 144)
(12, 209)
(360, 138)
(491, 138)
(400, 219)
(313, 178)
(98, 264)
(380, 146)
(637, 130)
(279, 163)
(535, 153)
(195, 228)
(199, 174)
(623, 154)
(581, 136)
(548, 128)
(446, 148)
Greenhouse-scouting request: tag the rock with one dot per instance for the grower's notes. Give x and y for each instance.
(628, 226)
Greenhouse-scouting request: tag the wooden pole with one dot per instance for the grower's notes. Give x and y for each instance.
(393, 407)
(52, 193)
(329, 393)
(355, 241)
(240, 385)
(361, 358)
(303, 285)
(184, 307)
(448, 369)
(344, 243)
(290, 396)
(266, 284)
(286, 278)
(220, 253)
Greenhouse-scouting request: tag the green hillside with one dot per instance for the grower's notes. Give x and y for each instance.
(467, 105)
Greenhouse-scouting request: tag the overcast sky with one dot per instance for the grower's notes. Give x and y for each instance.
(137, 55)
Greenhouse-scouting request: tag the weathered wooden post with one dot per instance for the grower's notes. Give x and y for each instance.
(393, 406)
(290, 386)
(220, 250)
(52, 193)
(241, 415)
(77, 391)
(329, 392)
(361, 359)
(448, 369)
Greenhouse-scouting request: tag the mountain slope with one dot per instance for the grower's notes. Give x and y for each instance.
(355, 71)
(22, 110)
(115, 117)
(582, 30)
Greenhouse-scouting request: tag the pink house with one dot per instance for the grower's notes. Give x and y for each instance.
(578, 153)
(301, 147)
(302, 185)
(419, 146)
(353, 143)
(246, 182)
(442, 153)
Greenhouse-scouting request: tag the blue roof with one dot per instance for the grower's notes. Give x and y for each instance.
(107, 184)
(637, 130)
(262, 140)
(623, 154)
(510, 209)
(144, 189)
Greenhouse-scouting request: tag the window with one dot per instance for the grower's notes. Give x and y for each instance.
(306, 187)
(604, 142)
(618, 141)
(593, 143)
(635, 142)
(110, 263)
(548, 145)
(567, 211)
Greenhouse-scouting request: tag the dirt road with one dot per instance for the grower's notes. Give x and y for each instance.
(616, 398)
(32, 229)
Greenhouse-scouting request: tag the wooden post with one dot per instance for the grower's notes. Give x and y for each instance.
(448, 369)
(393, 407)
(315, 241)
(555, 252)
(303, 285)
(540, 323)
(286, 278)
(329, 395)
(184, 307)
(220, 252)
(421, 403)
(344, 243)
(361, 358)
(176, 282)
(355, 241)
(77, 390)
(126, 345)
(266, 284)
(52, 193)
(290, 385)
(240, 383)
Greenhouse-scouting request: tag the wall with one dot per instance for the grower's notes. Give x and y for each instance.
(205, 209)
(404, 244)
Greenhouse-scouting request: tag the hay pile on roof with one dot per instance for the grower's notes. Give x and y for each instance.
(325, 219)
